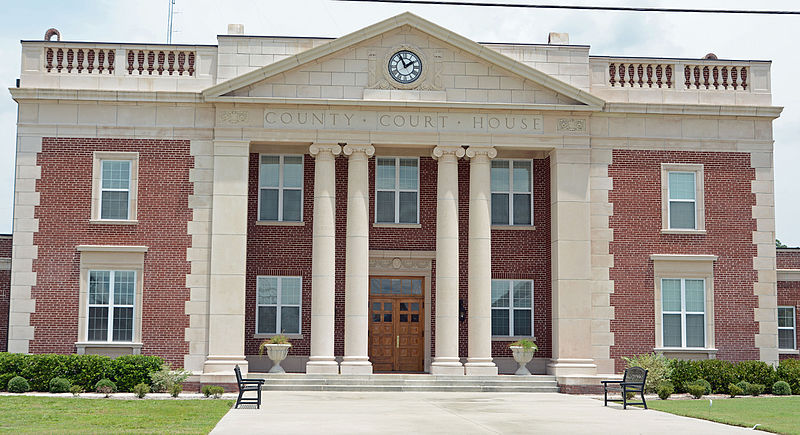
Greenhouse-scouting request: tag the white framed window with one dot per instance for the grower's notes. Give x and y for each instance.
(114, 187)
(111, 302)
(512, 192)
(397, 190)
(512, 307)
(683, 307)
(280, 188)
(278, 302)
(787, 335)
(683, 208)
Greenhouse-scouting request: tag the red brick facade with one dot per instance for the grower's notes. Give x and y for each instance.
(64, 213)
(5, 291)
(636, 198)
(789, 291)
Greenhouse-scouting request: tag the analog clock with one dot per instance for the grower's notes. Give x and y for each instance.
(405, 66)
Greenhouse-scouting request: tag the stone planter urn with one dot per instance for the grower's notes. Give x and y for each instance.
(277, 353)
(522, 356)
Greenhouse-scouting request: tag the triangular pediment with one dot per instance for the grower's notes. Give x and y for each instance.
(356, 67)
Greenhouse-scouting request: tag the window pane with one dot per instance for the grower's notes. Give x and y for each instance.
(396, 286)
(266, 320)
(408, 173)
(386, 287)
(269, 205)
(385, 205)
(500, 322)
(671, 294)
(499, 174)
(416, 287)
(522, 176)
(786, 339)
(99, 287)
(290, 291)
(522, 294)
(681, 185)
(267, 290)
(124, 287)
(522, 322)
(290, 320)
(785, 317)
(114, 205)
(385, 174)
(292, 171)
(374, 285)
(500, 293)
(500, 209)
(123, 324)
(270, 171)
(291, 205)
(522, 209)
(408, 207)
(672, 330)
(695, 330)
(98, 323)
(695, 296)
(116, 174)
(681, 215)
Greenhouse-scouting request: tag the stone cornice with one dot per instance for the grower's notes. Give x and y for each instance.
(20, 94)
(110, 248)
(682, 257)
(694, 109)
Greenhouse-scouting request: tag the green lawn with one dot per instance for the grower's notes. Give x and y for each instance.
(21, 414)
(774, 414)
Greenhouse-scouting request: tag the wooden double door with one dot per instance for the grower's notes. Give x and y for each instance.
(396, 327)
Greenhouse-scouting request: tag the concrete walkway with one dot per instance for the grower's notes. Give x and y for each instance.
(353, 413)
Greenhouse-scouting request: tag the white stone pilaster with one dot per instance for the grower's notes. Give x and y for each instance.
(228, 259)
(323, 262)
(479, 318)
(446, 361)
(766, 288)
(356, 287)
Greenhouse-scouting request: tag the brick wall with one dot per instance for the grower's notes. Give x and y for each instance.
(5, 292)
(789, 296)
(64, 213)
(788, 258)
(636, 222)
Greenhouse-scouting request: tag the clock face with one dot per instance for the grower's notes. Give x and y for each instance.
(405, 66)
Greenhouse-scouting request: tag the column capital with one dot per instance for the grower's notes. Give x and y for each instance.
(352, 149)
(318, 149)
(477, 151)
(441, 151)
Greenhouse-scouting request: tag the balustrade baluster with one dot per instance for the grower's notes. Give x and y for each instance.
(151, 60)
(733, 78)
(70, 58)
(725, 77)
(80, 60)
(621, 70)
(744, 78)
(60, 59)
(181, 61)
(90, 61)
(171, 62)
(668, 73)
(101, 57)
(612, 74)
(705, 76)
(715, 73)
(649, 76)
(630, 74)
(191, 63)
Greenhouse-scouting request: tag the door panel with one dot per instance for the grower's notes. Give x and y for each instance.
(381, 334)
(396, 331)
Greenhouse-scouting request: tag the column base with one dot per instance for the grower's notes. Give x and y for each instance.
(572, 367)
(219, 368)
(321, 365)
(447, 366)
(356, 365)
(480, 367)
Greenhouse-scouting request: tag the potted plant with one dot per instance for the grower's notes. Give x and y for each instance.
(277, 348)
(523, 353)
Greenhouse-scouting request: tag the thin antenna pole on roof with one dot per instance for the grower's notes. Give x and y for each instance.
(169, 21)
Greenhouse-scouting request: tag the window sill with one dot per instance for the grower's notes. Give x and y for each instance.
(511, 339)
(396, 225)
(281, 223)
(114, 221)
(514, 227)
(687, 232)
(711, 352)
(789, 351)
(81, 346)
(289, 336)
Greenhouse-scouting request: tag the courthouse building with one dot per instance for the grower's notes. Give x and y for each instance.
(399, 199)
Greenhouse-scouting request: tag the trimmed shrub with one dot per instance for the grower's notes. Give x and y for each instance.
(42, 368)
(657, 367)
(76, 390)
(755, 372)
(105, 386)
(175, 390)
(683, 372)
(665, 390)
(718, 373)
(734, 390)
(705, 384)
(129, 370)
(60, 385)
(18, 384)
(212, 390)
(87, 370)
(744, 385)
(4, 378)
(755, 389)
(696, 390)
(789, 372)
(141, 390)
(164, 379)
(781, 388)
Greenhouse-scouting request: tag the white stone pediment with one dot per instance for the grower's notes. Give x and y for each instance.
(355, 68)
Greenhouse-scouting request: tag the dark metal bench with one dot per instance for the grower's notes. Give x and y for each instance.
(248, 385)
(632, 382)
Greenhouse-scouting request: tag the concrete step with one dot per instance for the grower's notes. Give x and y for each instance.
(410, 388)
(407, 382)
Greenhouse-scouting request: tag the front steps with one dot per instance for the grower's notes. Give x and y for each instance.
(408, 382)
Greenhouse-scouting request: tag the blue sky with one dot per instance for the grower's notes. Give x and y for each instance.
(608, 33)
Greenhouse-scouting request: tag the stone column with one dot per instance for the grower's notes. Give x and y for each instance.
(227, 263)
(356, 286)
(571, 265)
(446, 360)
(323, 262)
(479, 319)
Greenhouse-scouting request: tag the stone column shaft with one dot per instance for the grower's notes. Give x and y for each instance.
(323, 262)
(356, 302)
(446, 360)
(479, 319)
